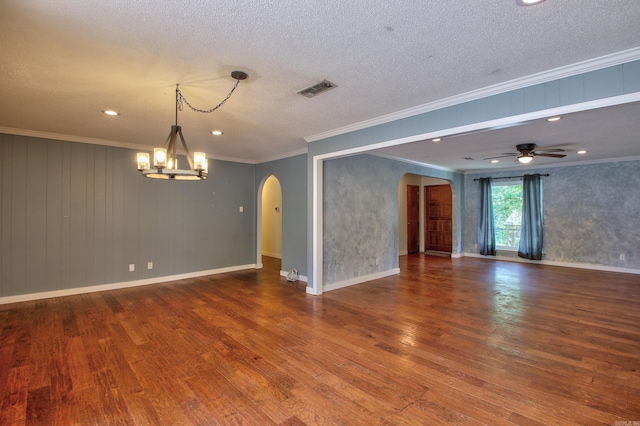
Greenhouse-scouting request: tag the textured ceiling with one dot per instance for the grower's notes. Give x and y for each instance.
(64, 62)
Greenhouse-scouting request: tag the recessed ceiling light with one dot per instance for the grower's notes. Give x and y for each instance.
(217, 133)
(111, 112)
(552, 119)
(436, 139)
(495, 161)
(584, 151)
(528, 2)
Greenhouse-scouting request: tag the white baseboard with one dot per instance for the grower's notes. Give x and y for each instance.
(270, 254)
(116, 286)
(300, 277)
(590, 266)
(453, 255)
(359, 280)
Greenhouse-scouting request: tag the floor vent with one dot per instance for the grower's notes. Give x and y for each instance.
(316, 89)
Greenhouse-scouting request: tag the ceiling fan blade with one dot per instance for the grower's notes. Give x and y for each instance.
(501, 156)
(537, 154)
(550, 150)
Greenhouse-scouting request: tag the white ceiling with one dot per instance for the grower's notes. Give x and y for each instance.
(64, 62)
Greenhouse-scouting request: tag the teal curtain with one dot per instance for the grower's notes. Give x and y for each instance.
(486, 227)
(532, 224)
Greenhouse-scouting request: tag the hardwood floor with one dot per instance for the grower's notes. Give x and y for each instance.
(448, 341)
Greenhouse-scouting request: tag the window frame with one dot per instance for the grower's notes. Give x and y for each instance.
(504, 183)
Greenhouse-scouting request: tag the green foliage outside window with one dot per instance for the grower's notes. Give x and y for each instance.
(507, 213)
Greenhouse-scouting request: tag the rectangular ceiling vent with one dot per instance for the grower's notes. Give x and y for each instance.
(316, 89)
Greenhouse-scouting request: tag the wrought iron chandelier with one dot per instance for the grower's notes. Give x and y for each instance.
(165, 159)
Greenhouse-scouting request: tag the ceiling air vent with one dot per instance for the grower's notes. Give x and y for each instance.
(316, 89)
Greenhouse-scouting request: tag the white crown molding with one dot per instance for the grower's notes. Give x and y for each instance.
(71, 138)
(105, 142)
(229, 159)
(283, 156)
(519, 83)
(417, 163)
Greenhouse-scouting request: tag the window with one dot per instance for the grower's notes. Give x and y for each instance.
(507, 214)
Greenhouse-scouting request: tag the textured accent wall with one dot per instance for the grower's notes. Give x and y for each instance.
(360, 213)
(590, 213)
(76, 215)
(360, 218)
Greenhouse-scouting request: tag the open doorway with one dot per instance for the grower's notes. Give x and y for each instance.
(270, 247)
(421, 221)
(438, 220)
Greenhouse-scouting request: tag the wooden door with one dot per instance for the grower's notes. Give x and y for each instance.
(413, 218)
(437, 212)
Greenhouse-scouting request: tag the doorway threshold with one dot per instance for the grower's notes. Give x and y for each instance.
(437, 253)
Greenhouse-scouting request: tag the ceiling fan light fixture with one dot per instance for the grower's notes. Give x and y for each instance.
(525, 159)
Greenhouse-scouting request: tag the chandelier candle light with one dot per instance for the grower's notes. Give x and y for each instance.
(165, 159)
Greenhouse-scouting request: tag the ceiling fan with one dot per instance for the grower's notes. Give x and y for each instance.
(526, 152)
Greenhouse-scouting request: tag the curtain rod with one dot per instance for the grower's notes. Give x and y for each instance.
(510, 177)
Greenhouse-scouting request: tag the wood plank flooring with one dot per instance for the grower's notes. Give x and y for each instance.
(448, 341)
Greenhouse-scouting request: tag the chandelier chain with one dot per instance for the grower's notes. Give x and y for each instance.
(182, 99)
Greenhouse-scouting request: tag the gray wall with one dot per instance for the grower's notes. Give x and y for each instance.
(292, 174)
(76, 215)
(361, 214)
(590, 213)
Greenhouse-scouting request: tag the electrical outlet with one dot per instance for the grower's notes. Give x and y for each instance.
(150, 265)
(241, 209)
(132, 267)
(622, 257)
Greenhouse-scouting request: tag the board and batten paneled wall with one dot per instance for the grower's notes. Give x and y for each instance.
(77, 215)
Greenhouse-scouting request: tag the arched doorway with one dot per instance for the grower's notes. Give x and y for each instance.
(270, 224)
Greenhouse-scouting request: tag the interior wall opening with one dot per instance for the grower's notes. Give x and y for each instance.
(424, 215)
(270, 221)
